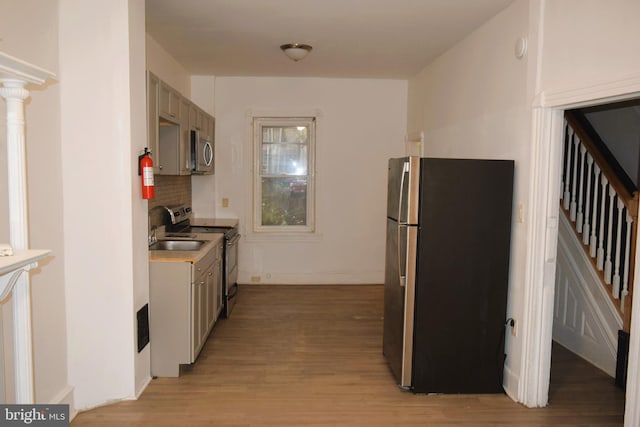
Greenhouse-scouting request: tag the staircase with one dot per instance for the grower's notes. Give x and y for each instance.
(596, 249)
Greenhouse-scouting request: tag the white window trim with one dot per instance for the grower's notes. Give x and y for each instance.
(290, 230)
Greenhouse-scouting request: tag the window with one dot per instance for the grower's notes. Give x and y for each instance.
(284, 174)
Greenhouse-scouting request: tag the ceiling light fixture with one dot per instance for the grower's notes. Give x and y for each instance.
(296, 51)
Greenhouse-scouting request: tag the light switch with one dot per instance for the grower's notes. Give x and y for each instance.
(520, 213)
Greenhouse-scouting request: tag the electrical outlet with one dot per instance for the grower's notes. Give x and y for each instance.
(225, 202)
(255, 279)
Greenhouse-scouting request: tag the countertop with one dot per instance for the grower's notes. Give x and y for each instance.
(186, 256)
(215, 222)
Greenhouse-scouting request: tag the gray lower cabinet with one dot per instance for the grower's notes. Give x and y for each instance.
(184, 303)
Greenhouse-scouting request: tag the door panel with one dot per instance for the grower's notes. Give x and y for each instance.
(395, 176)
(392, 341)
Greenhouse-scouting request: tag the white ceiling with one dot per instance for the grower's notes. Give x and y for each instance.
(350, 38)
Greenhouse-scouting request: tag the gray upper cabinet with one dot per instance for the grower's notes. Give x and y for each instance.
(153, 85)
(195, 117)
(168, 128)
(170, 119)
(169, 102)
(184, 164)
(201, 121)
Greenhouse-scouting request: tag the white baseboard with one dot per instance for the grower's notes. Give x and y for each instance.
(510, 383)
(137, 395)
(65, 397)
(318, 278)
(141, 388)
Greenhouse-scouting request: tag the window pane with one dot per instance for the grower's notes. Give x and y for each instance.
(285, 134)
(284, 159)
(284, 201)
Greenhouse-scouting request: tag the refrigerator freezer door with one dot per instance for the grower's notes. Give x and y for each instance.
(396, 190)
(403, 190)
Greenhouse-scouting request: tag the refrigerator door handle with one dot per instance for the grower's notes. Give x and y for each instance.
(402, 266)
(405, 170)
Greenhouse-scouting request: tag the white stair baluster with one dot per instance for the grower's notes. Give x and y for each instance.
(593, 241)
(572, 205)
(567, 173)
(627, 251)
(607, 261)
(616, 269)
(579, 216)
(587, 204)
(603, 202)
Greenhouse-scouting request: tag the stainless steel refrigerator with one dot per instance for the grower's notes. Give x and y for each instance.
(446, 274)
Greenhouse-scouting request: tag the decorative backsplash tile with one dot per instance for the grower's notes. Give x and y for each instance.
(170, 190)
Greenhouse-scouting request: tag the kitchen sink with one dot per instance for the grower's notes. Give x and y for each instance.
(177, 245)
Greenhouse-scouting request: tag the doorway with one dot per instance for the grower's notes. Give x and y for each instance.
(598, 214)
(548, 125)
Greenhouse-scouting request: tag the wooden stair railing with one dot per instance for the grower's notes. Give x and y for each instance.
(602, 204)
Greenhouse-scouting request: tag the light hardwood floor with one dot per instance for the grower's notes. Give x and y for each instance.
(311, 356)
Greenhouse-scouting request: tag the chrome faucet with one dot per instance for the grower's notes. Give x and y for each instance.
(153, 238)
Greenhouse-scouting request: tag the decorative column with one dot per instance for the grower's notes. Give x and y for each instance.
(14, 76)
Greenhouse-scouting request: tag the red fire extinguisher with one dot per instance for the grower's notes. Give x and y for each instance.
(146, 171)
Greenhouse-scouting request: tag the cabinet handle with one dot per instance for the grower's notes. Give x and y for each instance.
(197, 269)
(201, 283)
(210, 274)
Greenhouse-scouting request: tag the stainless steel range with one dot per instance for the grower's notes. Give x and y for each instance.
(182, 223)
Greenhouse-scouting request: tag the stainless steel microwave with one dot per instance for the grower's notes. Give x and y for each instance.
(202, 153)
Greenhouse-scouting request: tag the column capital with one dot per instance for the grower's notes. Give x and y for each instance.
(13, 89)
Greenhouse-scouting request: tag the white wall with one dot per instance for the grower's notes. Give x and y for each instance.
(105, 221)
(361, 125)
(166, 67)
(474, 102)
(588, 42)
(44, 176)
(139, 211)
(587, 58)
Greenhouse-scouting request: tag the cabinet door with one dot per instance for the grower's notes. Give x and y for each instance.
(185, 138)
(212, 129)
(211, 297)
(204, 311)
(219, 290)
(193, 117)
(152, 120)
(196, 316)
(204, 124)
(199, 120)
(168, 102)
